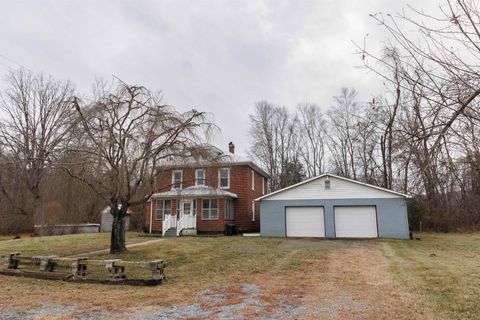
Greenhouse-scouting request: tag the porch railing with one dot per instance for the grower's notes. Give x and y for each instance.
(180, 225)
(185, 222)
(169, 221)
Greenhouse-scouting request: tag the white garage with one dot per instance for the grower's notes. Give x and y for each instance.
(305, 221)
(355, 222)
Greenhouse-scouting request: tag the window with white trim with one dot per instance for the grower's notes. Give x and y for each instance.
(162, 207)
(199, 177)
(177, 176)
(253, 210)
(224, 178)
(229, 209)
(210, 209)
(263, 185)
(253, 180)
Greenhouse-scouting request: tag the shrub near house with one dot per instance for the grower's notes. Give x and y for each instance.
(204, 196)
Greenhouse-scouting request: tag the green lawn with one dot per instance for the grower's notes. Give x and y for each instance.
(63, 245)
(443, 269)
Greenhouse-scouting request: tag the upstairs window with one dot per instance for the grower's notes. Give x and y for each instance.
(229, 210)
(224, 178)
(210, 209)
(162, 207)
(199, 177)
(177, 179)
(253, 180)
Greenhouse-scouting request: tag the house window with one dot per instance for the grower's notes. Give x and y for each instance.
(253, 180)
(263, 185)
(253, 210)
(162, 207)
(224, 178)
(177, 179)
(199, 177)
(229, 210)
(210, 209)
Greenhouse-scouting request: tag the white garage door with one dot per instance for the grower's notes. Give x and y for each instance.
(305, 222)
(355, 222)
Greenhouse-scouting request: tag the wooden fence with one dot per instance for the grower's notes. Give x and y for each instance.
(46, 267)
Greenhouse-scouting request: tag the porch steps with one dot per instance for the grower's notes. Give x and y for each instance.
(172, 232)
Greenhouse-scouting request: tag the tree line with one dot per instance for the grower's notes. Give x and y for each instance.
(82, 154)
(420, 135)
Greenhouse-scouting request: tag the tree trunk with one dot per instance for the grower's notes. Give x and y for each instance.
(117, 239)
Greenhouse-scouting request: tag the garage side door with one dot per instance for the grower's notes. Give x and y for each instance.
(355, 222)
(305, 222)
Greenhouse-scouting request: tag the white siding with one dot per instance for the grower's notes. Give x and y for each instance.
(339, 189)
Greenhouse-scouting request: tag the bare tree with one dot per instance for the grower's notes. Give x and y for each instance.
(343, 132)
(36, 112)
(272, 130)
(311, 138)
(445, 51)
(126, 133)
(435, 75)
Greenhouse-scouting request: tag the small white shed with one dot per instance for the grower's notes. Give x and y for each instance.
(107, 220)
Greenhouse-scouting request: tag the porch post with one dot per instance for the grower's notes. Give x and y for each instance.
(151, 214)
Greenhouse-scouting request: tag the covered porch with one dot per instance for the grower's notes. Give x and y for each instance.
(187, 211)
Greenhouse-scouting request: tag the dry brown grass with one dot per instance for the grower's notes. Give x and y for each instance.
(63, 245)
(326, 279)
(441, 270)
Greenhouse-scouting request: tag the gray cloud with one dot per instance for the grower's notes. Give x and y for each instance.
(217, 56)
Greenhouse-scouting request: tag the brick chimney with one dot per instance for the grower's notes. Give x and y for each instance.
(231, 147)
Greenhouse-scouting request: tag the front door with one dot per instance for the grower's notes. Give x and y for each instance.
(187, 214)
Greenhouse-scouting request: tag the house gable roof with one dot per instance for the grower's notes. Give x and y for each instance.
(220, 158)
(381, 192)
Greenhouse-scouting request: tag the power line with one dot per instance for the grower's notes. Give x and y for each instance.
(16, 63)
(83, 96)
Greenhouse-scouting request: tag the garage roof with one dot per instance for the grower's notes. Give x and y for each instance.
(333, 176)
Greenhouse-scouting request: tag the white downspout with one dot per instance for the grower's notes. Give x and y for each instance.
(151, 214)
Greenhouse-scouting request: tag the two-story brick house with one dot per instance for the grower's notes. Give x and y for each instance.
(203, 197)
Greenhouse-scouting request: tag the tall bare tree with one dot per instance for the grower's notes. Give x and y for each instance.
(272, 130)
(311, 138)
(36, 112)
(126, 133)
(436, 76)
(343, 132)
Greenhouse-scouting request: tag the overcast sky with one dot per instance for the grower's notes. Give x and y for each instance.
(215, 56)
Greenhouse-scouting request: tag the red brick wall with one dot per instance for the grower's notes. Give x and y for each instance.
(240, 184)
(211, 225)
